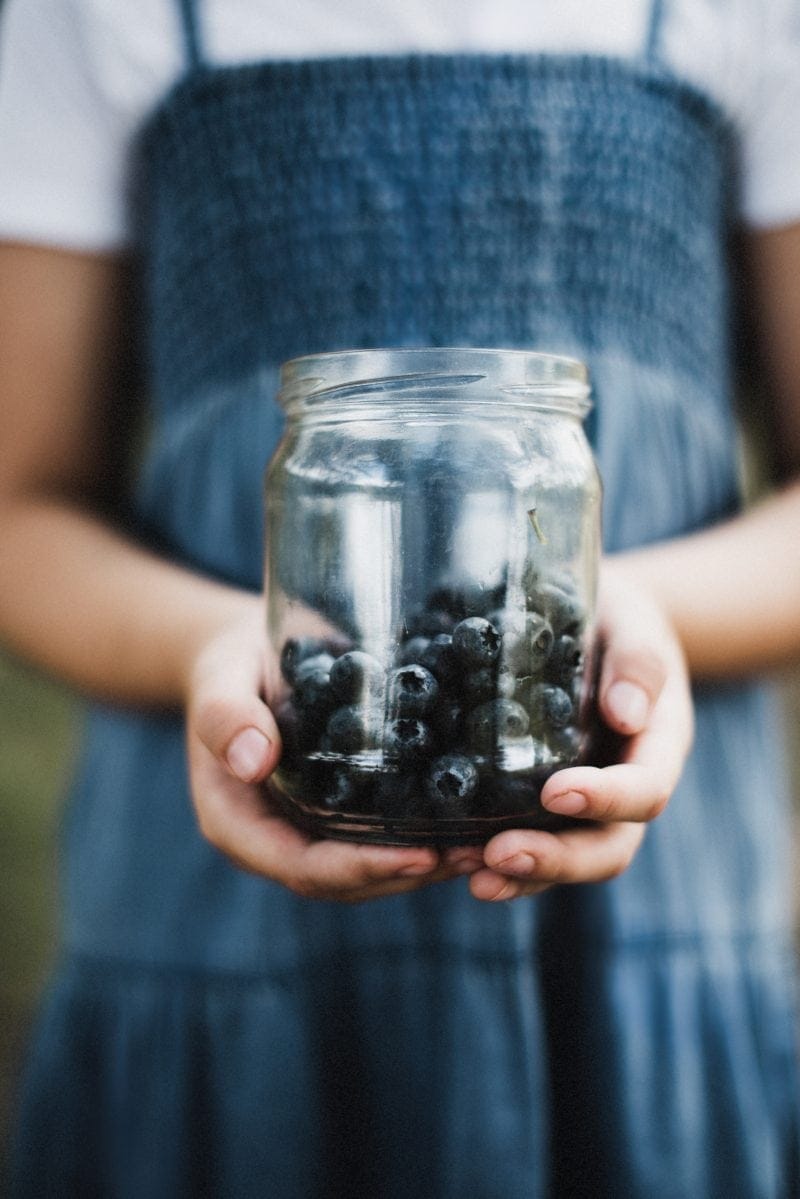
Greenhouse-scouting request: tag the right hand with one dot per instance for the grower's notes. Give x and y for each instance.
(233, 746)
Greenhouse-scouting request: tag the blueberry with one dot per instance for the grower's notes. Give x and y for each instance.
(538, 639)
(316, 779)
(412, 690)
(566, 659)
(296, 651)
(452, 781)
(527, 640)
(398, 794)
(450, 600)
(343, 793)
(476, 642)
(422, 621)
(478, 686)
(320, 661)
(407, 739)
(549, 705)
(496, 721)
(448, 723)
(565, 743)
(562, 608)
(356, 675)
(440, 659)
(312, 691)
(289, 723)
(412, 651)
(350, 790)
(352, 729)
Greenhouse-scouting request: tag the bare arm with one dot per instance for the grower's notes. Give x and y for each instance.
(77, 598)
(733, 592)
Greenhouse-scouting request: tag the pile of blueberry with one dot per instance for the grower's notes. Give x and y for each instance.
(478, 707)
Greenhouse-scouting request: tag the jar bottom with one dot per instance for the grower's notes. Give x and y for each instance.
(410, 830)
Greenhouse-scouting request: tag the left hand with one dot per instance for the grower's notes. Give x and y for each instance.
(643, 698)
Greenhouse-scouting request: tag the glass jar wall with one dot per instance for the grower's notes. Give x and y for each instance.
(433, 535)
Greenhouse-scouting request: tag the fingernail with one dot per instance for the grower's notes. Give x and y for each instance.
(518, 863)
(247, 754)
(628, 704)
(568, 803)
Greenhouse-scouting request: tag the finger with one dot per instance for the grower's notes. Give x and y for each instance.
(492, 887)
(238, 728)
(583, 855)
(639, 788)
(462, 859)
(631, 679)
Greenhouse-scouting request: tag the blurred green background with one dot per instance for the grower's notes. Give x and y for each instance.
(38, 728)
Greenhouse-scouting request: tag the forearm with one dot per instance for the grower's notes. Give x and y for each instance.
(90, 607)
(732, 591)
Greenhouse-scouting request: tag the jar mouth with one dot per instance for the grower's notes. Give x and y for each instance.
(521, 378)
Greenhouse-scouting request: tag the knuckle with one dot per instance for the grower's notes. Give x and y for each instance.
(212, 719)
(643, 665)
(604, 805)
(306, 888)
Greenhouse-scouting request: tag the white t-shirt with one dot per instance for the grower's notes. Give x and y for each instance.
(77, 77)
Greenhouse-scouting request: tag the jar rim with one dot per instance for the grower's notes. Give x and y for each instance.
(528, 378)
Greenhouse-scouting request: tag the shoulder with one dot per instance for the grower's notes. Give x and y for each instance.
(77, 78)
(745, 54)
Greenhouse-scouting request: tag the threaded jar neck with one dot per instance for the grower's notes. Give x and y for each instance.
(518, 379)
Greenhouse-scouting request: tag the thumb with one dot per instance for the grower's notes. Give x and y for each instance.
(236, 726)
(632, 675)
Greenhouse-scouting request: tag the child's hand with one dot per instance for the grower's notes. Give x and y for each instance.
(643, 694)
(234, 745)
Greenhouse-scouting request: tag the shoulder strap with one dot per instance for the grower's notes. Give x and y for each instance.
(655, 21)
(191, 32)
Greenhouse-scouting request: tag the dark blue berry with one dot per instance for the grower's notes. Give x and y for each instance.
(496, 721)
(353, 728)
(407, 739)
(562, 608)
(320, 661)
(549, 705)
(440, 659)
(343, 794)
(412, 690)
(289, 723)
(478, 686)
(296, 651)
(448, 723)
(565, 743)
(566, 659)
(356, 675)
(412, 651)
(398, 794)
(423, 621)
(452, 781)
(527, 640)
(312, 692)
(476, 642)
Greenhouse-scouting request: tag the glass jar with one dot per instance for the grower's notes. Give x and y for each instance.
(433, 536)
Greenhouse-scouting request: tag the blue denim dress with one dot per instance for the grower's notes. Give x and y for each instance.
(210, 1033)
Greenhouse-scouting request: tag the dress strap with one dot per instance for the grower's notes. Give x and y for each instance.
(191, 32)
(653, 29)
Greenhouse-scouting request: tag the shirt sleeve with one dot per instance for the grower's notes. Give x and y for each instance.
(770, 148)
(64, 144)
